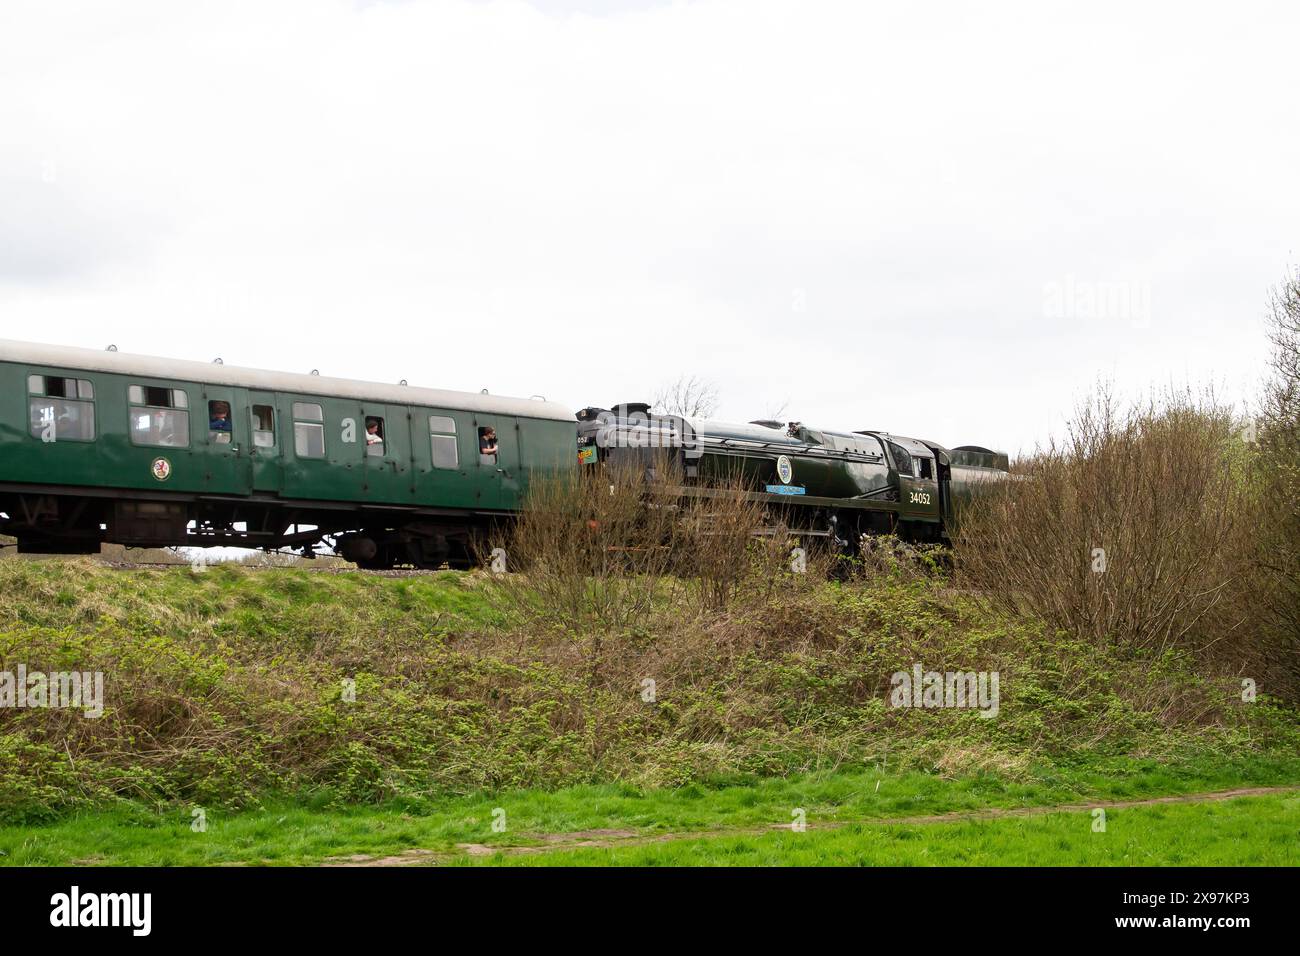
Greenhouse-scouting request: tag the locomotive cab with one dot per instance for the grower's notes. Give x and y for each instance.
(920, 492)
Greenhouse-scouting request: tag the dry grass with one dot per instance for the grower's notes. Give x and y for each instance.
(608, 551)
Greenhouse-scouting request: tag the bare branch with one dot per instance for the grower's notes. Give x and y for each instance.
(688, 396)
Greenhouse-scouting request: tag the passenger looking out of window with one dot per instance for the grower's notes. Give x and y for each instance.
(487, 445)
(219, 422)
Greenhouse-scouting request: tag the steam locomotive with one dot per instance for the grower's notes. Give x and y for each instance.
(834, 484)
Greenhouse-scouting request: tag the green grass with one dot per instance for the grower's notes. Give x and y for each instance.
(294, 833)
(1248, 831)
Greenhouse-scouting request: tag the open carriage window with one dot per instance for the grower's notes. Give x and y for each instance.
(219, 427)
(61, 408)
(487, 445)
(156, 396)
(375, 436)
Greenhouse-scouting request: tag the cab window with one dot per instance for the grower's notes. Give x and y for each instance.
(902, 459)
(442, 436)
(159, 416)
(308, 430)
(61, 409)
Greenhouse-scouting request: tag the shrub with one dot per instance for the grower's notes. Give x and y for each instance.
(1136, 531)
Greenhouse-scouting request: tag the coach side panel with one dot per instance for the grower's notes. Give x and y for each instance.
(64, 426)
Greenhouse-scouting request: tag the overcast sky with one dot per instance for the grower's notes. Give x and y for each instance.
(942, 219)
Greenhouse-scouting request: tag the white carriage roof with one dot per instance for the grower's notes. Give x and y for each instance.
(123, 363)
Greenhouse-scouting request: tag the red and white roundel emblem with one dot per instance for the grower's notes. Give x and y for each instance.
(161, 469)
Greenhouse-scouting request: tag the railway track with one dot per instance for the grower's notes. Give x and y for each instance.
(175, 565)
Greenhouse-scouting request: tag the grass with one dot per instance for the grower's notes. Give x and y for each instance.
(1248, 831)
(287, 832)
(223, 692)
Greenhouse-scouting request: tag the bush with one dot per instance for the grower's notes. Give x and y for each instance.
(606, 551)
(1278, 503)
(1140, 532)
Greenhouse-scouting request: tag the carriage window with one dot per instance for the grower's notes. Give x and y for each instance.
(263, 426)
(55, 412)
(442, 435)
(487, 445)
(157, 397)
(375, 436)
(166, 428)
(56, 419)
(308, 430)
(158, 417)
(219, 426)
(53, 386)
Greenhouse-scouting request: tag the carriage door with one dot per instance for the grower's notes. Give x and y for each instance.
(265, 442)
(224, 442)
(497, 439)
(385, 440)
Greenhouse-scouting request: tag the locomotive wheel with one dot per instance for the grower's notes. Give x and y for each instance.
(382, 561)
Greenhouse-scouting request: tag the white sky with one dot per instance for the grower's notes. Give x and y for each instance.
(943, 219)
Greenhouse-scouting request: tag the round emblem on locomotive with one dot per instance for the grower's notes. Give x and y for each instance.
(784, 470)
(161, 469)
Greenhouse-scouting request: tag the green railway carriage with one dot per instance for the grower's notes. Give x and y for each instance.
(104, 446)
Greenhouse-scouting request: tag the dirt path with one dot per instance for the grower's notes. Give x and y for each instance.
(550, 842)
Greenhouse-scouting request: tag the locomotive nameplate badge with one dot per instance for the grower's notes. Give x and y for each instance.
(161, 469)
(784, 470)
(784, 490)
